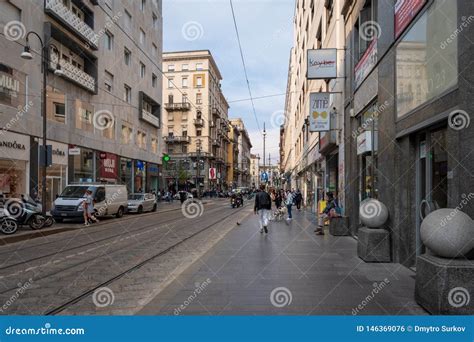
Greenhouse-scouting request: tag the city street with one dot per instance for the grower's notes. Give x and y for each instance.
(215, 264)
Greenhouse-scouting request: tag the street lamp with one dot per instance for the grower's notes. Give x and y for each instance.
(198, 166)
(264, 137)
(26, 54)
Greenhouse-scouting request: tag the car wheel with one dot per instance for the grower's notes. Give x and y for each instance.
(119, 212)
(140, 210)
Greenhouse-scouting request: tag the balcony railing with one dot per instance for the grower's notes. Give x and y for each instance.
(178, 106)
(73, 73)
(199, 122)
(149, 117)
(212, 124)
(178, 139)
(215, 112)
(216, 142)
(64, 14)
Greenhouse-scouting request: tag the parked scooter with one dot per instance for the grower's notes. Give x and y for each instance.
(236, 201)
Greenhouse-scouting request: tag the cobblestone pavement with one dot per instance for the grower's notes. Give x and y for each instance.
(289, 271)
(39, 275)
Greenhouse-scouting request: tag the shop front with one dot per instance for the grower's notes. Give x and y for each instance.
(126, 173)
(153, 174)
(56, 173)
(82, 164)
(14, 164)
(139, 176)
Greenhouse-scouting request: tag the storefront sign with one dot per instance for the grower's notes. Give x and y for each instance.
(59, 152)
(153, 170)
(12, 86)
(74, 151)
(322, 64)
(14, 146)
(366, 64)
(319, 112)
(405, 11)
(109, 166)
(364, 142)
(212, 173)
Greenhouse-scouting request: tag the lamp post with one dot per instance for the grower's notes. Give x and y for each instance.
(26, 54)
(264, 137)
(198, 166)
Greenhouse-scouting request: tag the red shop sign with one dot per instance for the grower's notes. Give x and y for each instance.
(405, 11)
(108, 165)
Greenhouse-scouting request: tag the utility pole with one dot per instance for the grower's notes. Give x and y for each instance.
(198, 166)
(264, 137)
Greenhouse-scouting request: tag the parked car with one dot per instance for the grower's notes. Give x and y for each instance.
(141, 202)
(188, 195)
(109, 199)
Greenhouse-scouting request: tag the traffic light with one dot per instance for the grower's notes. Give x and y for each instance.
(166, 158)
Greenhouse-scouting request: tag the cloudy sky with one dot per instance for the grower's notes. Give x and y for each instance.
(265, 29)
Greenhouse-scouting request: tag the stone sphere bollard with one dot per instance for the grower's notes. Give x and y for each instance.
(448, 233)
(373, 213)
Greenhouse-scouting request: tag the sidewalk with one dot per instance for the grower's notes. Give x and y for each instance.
(289, 271)
(26, 233)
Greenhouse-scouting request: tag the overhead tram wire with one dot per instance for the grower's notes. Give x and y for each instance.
(243, 63)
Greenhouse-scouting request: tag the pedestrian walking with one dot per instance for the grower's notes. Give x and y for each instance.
(278, 199)
(298, 199)
(182, 196)
(263, 207)
(332, 210)
(88, 206)
(289, 203)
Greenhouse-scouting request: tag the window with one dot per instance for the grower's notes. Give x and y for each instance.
(154, 80)
(128, 20)
(185, 98)
(109, 40)
(170, 83)
(142, 37)
(184, 82)
(154, 50)
(142, 5)
(127, 56)
(141, 139)
(363, 40)
(198, 98)
(154, 145)
(170, 98)
(142, 70)
(56, 105)
(127, 135)
(127, 93)
(199, 81)
(422, 63)
(329, 11)
(185, 67)
(59, 109)
(198, 66)
(170, 67)
(108, 81)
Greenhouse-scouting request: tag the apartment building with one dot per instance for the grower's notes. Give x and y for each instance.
(196, 123)
(233, 170)
(254, 170)
(244, 146)
(103, 112)
(310, 161)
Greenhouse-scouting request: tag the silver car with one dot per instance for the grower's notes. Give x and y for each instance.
(138, 203)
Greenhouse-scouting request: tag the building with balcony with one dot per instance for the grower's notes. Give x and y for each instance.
(243, 160)
(103, 112)
(196, 108)
(313, 161)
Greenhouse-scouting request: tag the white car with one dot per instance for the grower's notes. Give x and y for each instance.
(139, 203)
(177, 195)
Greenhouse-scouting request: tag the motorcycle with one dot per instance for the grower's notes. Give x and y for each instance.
(8, 225)
(236, 202)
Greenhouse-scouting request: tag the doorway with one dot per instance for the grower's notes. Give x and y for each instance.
(54, 187)
(431, 177)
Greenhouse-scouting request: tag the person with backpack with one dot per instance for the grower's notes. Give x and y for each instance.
(289, 203)
(298, 199)
(263, 207)
(332, 210)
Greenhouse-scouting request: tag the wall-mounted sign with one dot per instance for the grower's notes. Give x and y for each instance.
(108, 166)
(366, 64)
(319, 112)
(364, 142)
(74, 151)
(322, 64)
(14, 146)
(59, 152)
(212, 173)
(405, 11)
(12, 86)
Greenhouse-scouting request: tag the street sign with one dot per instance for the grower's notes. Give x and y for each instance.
(74, 151)
(322, 64)
(49, 155)
(319, 112)
(212, 173)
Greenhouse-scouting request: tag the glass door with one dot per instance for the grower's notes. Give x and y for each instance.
(431, 178)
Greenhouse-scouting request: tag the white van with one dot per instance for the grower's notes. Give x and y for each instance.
(109, 199)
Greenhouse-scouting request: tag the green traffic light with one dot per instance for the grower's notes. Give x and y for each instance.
(166, 158)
